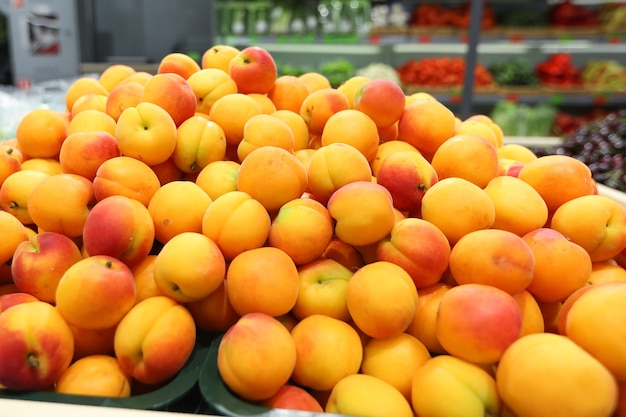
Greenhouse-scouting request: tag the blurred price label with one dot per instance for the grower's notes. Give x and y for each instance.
(556, 99)
(424, 39)
(600, 100)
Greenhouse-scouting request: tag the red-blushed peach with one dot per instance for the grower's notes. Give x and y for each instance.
(236, 222)
(14, 298)
(302, 228)
(333, 166)
(293, 397)
(60, 203)
(92, 341)
(14, 193)
(214, 313)
(39, 263)
(262, 280)
(493, 257)
(407, 175)
(273, 176)
(367, 395)
(320, 105)
(323, 285)
(419, 247)
(95, 292)
(122, 96)
(382, 299)
(199, 142)
(178, 63)
(127, 176)
(204, 271)
(363, 212)
(10, 161)
(146, 132)
(478, 322)
(208, 85)
(445, 377)
(154, 340)
(595, 222)
(382, 100)
(424, 323)
(527, 372)
(395, 360)
(218, 56)
(532, 317)
(509, 167)
(95, 375)
(253, 69)
(256, 356)
(37, 346)
(172, 93)
(556, 255)
(120, 227)
(590, 320)
(82, 153)
(327, 350)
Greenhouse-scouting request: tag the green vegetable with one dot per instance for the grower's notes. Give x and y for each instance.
(514, 71)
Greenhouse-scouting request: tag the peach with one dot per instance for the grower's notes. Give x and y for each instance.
(82, 153)
(253, 69)
(50, 166)
(293, 397)
(590, 321)
(120, 227)
(172, 93)
(95, 292)
(387, 148)
(457, 207)
(165, 209)
(218, 177)
(95, 375)
(218, 56)
(323, 286)
(178, 63)
(154, 340)
(354, 128)
(478, 128)
(557, 178)
(146, 132)
(426, 124)
(315, 80)
(204, 270)
(298, 127)
(509, 167)
(445, 377)
(126, 176)
(333, 166)
(114, 74)
(143, 272)
(265, 103)
(595, 222)
(92, 341)
(15, 190)
(327, 350)
(236, 222)
(423, 325)
(81, 86)
(231, 112)
(532, 316)
(89, 101)
(395, 360)
(347, 255)
(367, 395)
(493, 257)
(11, 299)
(467, 156)
(90, 121)
(39, 263)
(264, 130)
(607, 271)
(37, 346)
(121, 97)
(382, 299)
(320, 105)
(199, 142)
(302, 228)
(556, 256)
(419, 247)
(13, 234)
(350, 87)
(273, 176)
(60, 203)
(41, 132)
(208, 85)
(262, 280)
(288, 93)
(516, 152)
(10, 161)
(478, 322)
(381, 99)
(527, 372)
(408, 176)
(519, 207)
(214, 313)
(167, 171)
(363, 212)
(497, 130)
(140, 77)
(256, 357)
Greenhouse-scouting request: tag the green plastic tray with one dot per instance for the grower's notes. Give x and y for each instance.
(181, 394)
(220, 398)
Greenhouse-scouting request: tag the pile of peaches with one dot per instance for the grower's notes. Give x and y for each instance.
(360, 250)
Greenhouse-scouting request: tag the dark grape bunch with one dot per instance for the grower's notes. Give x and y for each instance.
(601, 145)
